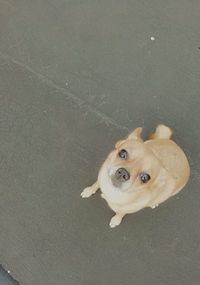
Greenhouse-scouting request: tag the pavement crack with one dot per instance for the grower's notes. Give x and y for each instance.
(81, 103)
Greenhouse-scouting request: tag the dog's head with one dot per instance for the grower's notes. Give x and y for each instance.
(132, 165)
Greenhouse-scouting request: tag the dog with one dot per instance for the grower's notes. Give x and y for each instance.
(139, 174)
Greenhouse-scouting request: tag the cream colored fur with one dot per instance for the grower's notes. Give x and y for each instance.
(159, 156)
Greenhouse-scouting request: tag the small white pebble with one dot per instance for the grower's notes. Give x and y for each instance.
(152, 38)
(8, 271)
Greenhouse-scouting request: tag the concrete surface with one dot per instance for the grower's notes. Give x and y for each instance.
(75, 76)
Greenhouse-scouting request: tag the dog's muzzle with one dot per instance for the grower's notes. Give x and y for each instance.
(121, 175)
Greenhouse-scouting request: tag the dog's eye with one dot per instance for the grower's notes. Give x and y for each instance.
(123, 154)
(145, 177)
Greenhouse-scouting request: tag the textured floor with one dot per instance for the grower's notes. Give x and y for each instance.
(75, 76)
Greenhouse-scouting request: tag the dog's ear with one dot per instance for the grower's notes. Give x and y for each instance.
(117, 145)
(136, 135)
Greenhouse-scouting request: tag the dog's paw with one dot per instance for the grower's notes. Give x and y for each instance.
(115, 221)
(154, 206)
(87, 192)
(103, 196)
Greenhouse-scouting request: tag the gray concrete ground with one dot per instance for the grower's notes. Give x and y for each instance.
(75, 76)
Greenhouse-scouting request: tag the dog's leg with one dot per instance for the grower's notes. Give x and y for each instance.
(88, 191)
(162, 132)
(116, 219)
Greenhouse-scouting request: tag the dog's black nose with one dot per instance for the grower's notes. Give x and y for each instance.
(122, 175)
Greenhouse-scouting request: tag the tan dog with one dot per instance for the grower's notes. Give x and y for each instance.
(141, 174)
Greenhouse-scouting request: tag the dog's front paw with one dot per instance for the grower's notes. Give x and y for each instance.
(115, 221)
(87, 192)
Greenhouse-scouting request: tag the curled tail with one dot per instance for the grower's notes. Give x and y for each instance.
(162, 132)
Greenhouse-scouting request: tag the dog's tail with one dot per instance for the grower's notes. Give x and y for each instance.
(162, 132)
